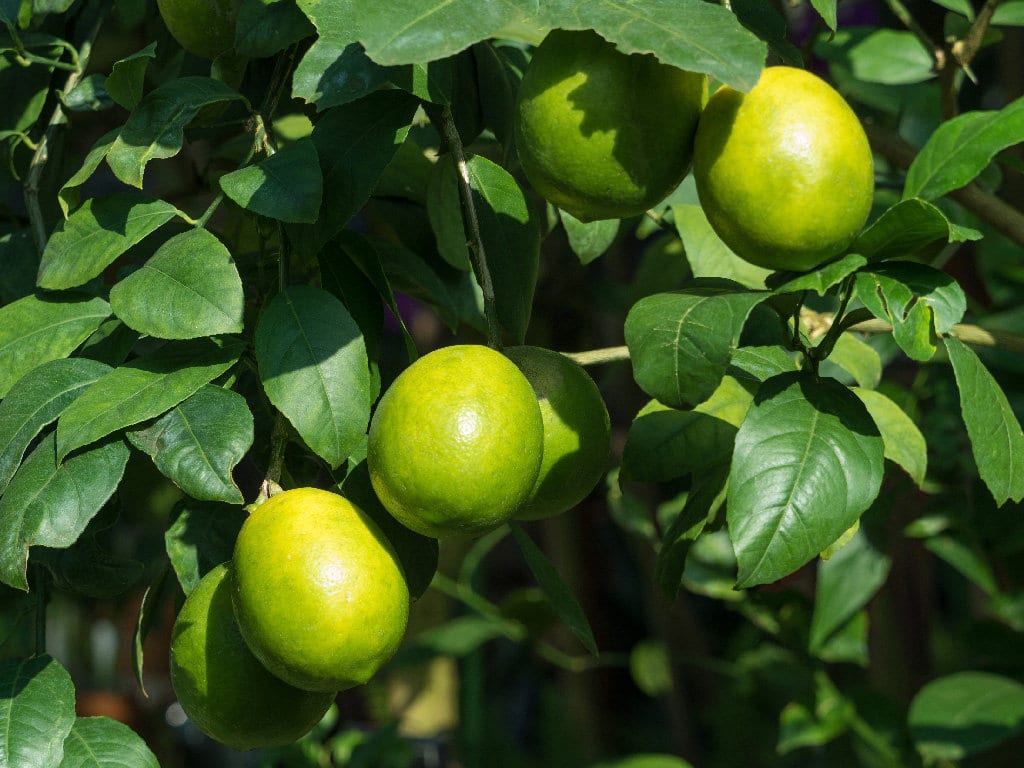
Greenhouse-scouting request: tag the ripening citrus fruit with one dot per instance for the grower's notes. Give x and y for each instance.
(455, 443)
(205, 28)
(318, 592)
(603, 134)
(784, 172)
(576, 431)
(221, 686)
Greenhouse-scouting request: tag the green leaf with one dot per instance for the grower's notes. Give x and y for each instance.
(37, 329)
(964, 713)
(189, 288)
(143, 389)
(707, 255)
(511, 237)
(128, 76)
(313, 365)
(965, 558)
(857, 358)
(68, 195)
(87, 567)
(761, 363)
(907, 228)
(1009, 14)
(99, 742)
(997, 441)
(808, 461)
(645, 761)
(680, 343)
(198, 443)
(287, 186)
(93, 236)
(820, 280)
(155, 129)
(845, 584)
(458, 637)
(36, 400)
(37, 712)
(558, 593)
(49, 504)
(904, 443)
(961, 148)
(589, 240)
(444, 208)
(331, 74)
(920, 302)
(149, 613)
(200, 537)
(88, 95)
(9, 11)
(355, 143)
(827, 10)
(891, 57)
(801, 727)
(265, 27)
(689, 34)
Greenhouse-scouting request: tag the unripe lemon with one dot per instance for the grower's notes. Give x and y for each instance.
(455, 442)
(784, 172)
(221, 686)
(603, 134)
(205, 28)
(576, 431)
(318, 592)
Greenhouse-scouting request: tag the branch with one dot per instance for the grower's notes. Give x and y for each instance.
(964, 50)
(1000, 214)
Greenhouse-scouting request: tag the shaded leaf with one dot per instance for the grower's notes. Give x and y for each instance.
(589, 240)
(444, 208)
(904, 443)
(200, 537)
(287, 186)
(37, 712)
(68, 195)
(910, 226)
(99, 742)
(128, 75)
(265, 27)
(857, 358)
(331, 74)
(823, 278)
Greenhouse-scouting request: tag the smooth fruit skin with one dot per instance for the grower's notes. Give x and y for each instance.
(205, 28)
(603, 134)
(222, 687)
(318, 592)
(455, 442)
(577, 431)
(784, 172)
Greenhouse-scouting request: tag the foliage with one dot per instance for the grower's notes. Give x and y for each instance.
(807, 548)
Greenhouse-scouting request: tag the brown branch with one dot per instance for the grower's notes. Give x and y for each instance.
(964, 50)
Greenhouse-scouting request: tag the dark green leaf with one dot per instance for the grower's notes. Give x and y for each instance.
(498, 83)
(846, 582)
(964, 713)
(128, 76)
(904, 443)
(907, 228)
(966, 559)
(800, 727)
(37, 329)
(820, 280)
(68, 196)
(36, 400)
(265, 27)
(444, 207)
(558, 593)
(143, 389)
(37, 712)
(288, 186)
(314, 368)
(99, 742)
(201, 537)
(996, 438)
(961, 148)
(355, 143)
(331, 74)
(457, 637)
(808, 461)
(97, 233)
(680, 344)
(155, 129)
(49, 504)
(589, 240)
(511, 237)
(189, 288)
(9, 11)
(149, 612)
(198, 443)
(89, 95)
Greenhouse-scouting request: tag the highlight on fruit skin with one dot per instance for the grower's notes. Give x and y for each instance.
(222, 687)
(455, 443)
(319, 594)
(603, 134)
(784, 173)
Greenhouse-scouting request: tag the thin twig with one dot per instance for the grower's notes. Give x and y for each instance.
(964, 50)
(476, 243)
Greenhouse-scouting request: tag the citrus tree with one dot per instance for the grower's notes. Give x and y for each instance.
(762, 508)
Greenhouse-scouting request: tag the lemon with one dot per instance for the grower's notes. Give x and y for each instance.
(221, 686)
(577, 432)
(455, 442)
(205, 28)
(784, 172)
(317, 589)
(603, 134)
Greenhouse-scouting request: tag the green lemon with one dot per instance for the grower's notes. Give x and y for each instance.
(318, 592)
(784, 172)
(221, 686)
(455, 442)
(577, 433)
(205, 28)
(603, 134)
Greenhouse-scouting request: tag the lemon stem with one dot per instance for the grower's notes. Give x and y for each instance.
(477, 253)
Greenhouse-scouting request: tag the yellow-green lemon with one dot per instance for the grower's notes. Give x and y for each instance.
(603, 134)
(318, 592)
(784, 172)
